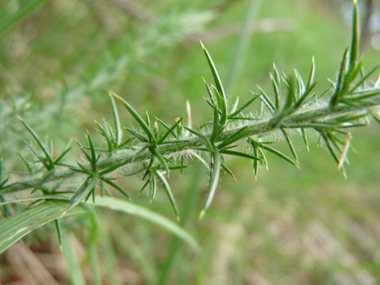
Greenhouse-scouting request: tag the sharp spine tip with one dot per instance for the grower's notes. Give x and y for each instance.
(201, 215)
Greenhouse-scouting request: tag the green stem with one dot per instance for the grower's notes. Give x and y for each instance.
(174, 146)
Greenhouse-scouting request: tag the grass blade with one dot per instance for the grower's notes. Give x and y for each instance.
(14, 229)
(141, 212)
(76, 274)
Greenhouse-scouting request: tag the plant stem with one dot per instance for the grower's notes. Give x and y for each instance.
(309, 117)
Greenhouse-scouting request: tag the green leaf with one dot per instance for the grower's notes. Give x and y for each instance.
(137, 135)
(312, 73)
(218, 85)
(266, 100)
(169, 131)
(215, 126)
(135, 115)
(200, 159)
(203, 137)
(108, 181)
(5, 210)
(103, 132)
(255, 161)
(84, 151)
(276, 92)
(338, 86)
(244, 106)
(26, 163)
(166, 186)
(59, 232)
(67, 149)
(226, 169)
(153, 188)
(234, 107)
(363, 79)
(117, 120)
(304, 137)
(354, 50)
(233, 138)
(214, 179)
(82, 192)
(92, 152)
(303, 97)
(84, 169)
(147, 119)
(241, 154)
(290, 144)
(274, 151)
(143, 188)
(162, 160)
(300, 84)
(48, 157)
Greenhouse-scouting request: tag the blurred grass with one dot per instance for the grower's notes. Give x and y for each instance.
(308, 226)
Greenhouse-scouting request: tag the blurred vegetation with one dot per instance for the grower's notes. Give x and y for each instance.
(58, 59)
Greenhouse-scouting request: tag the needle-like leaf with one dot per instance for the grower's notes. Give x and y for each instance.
(82, 192)
(274, 151)
(312, 73)
(47, 155)
(214, 179)
(276, 92)
(166, 186)
(338, 86)
(108, 181)
(244, 106)
(226, 169)
(169, 131)
(218, 84)
(135, 115)
(354, 50)
(140, 137)
(241, 154)
(162, 160)
(116, 120)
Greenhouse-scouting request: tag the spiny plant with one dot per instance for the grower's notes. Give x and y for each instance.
(151, 153)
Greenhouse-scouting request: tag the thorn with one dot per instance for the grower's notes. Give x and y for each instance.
(344, 152)
(201, 215)
(188, 110)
